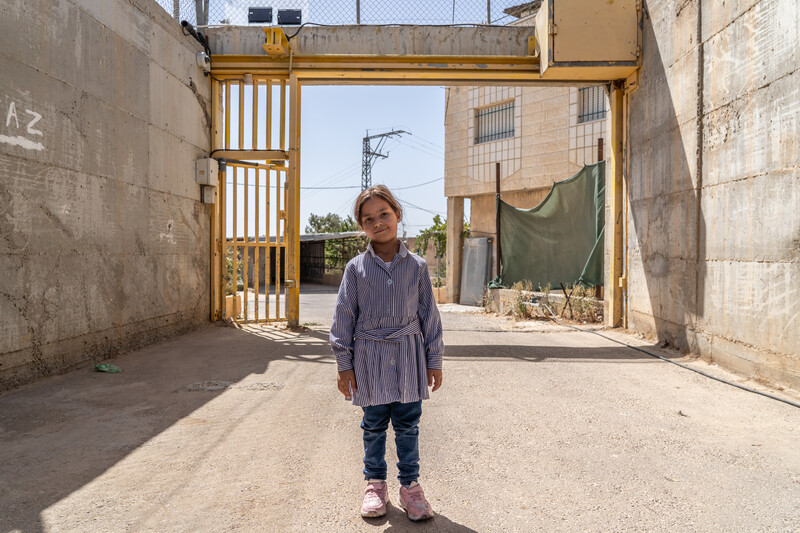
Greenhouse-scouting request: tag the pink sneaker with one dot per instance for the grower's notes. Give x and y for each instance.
(375, 498)
(413, 500)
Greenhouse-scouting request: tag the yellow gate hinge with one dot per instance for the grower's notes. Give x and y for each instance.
(623, 283)
(552, 29)
(276, 43)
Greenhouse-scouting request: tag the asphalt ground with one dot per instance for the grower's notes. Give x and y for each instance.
(536, 428)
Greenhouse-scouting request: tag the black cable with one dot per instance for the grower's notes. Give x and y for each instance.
(687, 367)
(187, 27)
(289, 38)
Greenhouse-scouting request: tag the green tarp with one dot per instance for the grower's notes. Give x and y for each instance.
(561, 239)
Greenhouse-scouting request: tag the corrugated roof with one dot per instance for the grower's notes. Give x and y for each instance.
(523, 10)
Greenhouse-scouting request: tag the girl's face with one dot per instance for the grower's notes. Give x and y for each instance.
(379, 221)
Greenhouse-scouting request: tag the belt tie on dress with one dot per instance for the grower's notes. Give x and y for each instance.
(389, 334)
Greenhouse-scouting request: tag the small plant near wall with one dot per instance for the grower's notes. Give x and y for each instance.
(520, 305)
(546, 298)
(582, 299)
(229, 288)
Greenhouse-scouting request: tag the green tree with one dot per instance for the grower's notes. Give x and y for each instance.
(437, 235)
(330, 223)
(337, 252)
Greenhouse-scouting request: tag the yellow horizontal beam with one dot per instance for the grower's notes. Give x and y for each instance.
(439, 61)
(253, 155)
(409, 74)
(250, 244)
(439, 69)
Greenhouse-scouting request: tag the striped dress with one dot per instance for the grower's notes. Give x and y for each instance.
(387, 328)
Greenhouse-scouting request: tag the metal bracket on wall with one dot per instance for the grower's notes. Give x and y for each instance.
(533, 50)
(632, 82)
(276, 43)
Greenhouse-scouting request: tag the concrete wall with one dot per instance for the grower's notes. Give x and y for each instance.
(714, 183)
(103, 242)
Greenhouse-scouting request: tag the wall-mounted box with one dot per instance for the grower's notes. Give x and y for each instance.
(588, 39)
(208, 194)
(206, 171)
(259, 15)
(289, 16)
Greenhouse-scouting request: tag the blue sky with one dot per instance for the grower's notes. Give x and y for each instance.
(334, 121)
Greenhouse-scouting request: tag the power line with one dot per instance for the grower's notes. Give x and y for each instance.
(423, 150)
(417, 185)
(340, 186)
(343, 175)
(406, 202)
(368, 155)
(420, 140)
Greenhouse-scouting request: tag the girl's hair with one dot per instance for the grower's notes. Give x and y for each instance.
(377, 191)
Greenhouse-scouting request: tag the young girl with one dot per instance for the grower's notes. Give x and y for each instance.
(387, 338)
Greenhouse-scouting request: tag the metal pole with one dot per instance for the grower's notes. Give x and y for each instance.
(497, 218)
(292, 205)
(366, 170)
(358, 11)
(598, 289)
(617, 283)
(488, 11)
(176, 9)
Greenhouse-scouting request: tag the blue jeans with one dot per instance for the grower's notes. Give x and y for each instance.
(405, 421)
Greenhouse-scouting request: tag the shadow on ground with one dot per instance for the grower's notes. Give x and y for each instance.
(398, 521)
(58, 435)
(61, 433)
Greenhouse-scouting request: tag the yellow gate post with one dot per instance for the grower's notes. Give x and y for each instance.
(293, 206)
(617, 282)
(216, 261)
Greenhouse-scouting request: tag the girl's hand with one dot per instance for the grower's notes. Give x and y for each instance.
(434, 379)
(346, 380)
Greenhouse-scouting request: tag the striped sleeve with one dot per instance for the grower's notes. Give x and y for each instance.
(344, 319)
(430, 321)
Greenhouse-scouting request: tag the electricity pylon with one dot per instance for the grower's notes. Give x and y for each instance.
(369, 155)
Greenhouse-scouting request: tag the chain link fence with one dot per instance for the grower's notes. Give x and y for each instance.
(342, 12)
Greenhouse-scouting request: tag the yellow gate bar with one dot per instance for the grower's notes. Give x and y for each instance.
(293, 206)
(614, 188)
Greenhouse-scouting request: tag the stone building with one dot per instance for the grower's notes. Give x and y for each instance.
(538, 135)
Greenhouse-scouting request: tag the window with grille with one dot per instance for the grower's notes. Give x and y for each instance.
(591, 104)
(493, 123)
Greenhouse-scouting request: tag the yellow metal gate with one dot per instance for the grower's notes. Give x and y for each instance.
(358, 56)
(254, 219)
